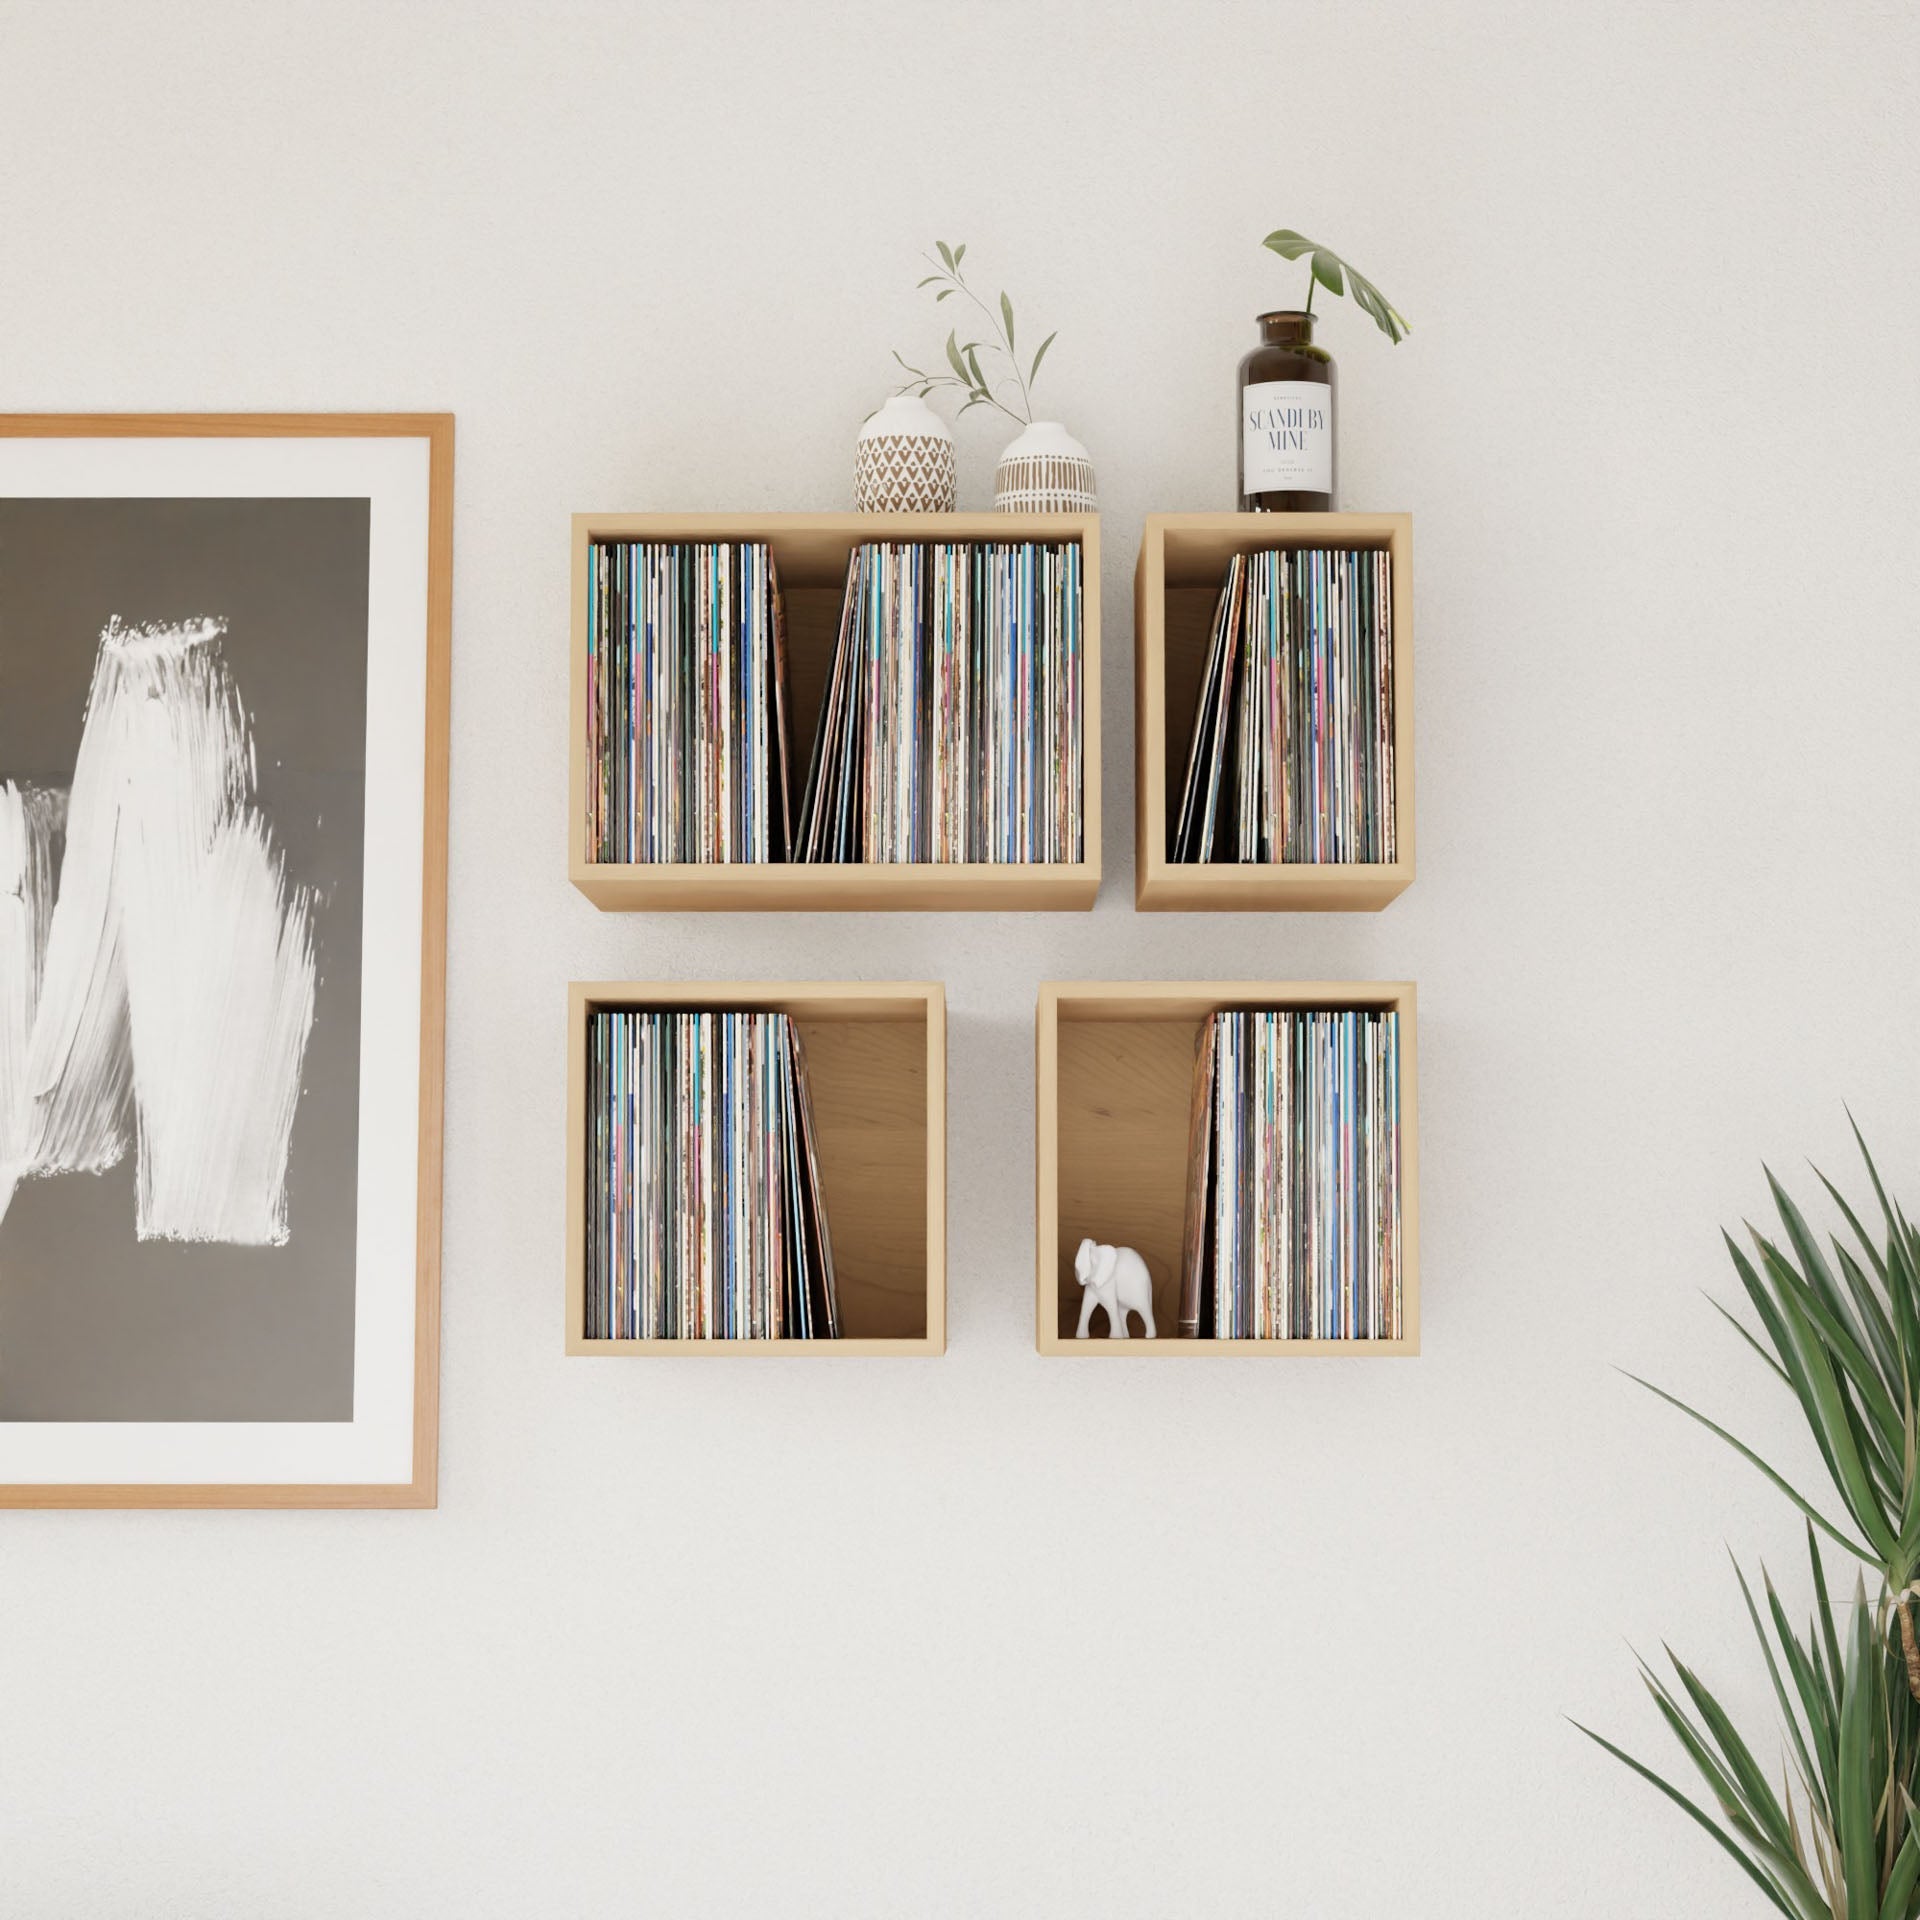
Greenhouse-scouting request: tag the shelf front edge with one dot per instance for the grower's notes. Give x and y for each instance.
(1061, 1346)
(903, 888)
(637, 1349)
(1165, 887)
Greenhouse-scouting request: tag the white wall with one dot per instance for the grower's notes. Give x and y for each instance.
(989, 1635)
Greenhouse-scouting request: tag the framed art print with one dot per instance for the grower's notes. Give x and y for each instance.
(223, 814)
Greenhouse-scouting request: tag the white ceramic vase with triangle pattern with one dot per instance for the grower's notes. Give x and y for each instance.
(903, 460)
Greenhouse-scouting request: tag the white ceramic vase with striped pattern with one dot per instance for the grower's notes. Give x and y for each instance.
(1045, 470)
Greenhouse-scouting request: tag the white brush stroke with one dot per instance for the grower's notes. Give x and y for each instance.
(79, 1067)
(30, 823)
(220, 997)
(178, 964)
(219, 954)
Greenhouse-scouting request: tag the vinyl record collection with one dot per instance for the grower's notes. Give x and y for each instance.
(1293, 1178)
(686, 703)
(951, 725)
(1292, 752)
(705, 1216)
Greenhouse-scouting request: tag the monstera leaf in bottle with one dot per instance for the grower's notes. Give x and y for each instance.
(1288, 444)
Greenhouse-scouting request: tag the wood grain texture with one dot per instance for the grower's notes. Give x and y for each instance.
(1114, 1065)
(433, 427)
(437, 429)
(1125, 1088)
(876, 1065)
(811, 552)
(1176, 584)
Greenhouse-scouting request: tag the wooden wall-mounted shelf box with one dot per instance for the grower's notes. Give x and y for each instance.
(1114, 1064)
(810, 551)
(877, 1067)
(1183, 557)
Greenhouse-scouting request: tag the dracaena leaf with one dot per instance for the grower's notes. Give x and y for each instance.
(1753, 1871)
(1779, 1372)
(1896, 1897)
(1859, 1786)
(1746, 1453)
(1755, 1792)
(1787, 1713)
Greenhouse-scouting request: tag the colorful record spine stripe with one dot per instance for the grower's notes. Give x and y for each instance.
(1292, 754)
(705, 1214)
(1293, 1196)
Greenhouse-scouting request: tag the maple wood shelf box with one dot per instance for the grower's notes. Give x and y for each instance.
(810, 552)
(1114, 1063)
(877, 1070)
(1183, 559)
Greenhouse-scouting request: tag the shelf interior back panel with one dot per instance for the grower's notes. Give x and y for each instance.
(869, 1085)
(1126, 1087)
(813, 634)
(1187, 637)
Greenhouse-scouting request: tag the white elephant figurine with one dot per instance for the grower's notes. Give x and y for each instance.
(1115, 1278)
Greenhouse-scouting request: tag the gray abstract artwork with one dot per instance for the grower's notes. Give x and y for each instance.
(183, 705)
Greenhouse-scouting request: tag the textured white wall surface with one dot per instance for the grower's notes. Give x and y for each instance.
(987, 1634)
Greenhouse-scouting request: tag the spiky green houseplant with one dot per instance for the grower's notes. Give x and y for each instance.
(1843, 1335)
(1837, 1841)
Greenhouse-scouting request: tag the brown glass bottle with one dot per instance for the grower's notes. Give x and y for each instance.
(1286, 420)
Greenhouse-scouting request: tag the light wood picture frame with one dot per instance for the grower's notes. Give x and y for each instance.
(225, 662)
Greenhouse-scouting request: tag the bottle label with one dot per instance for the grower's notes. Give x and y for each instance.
(1286, 437)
